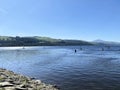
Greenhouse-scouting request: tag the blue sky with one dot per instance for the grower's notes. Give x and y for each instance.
(65, 19)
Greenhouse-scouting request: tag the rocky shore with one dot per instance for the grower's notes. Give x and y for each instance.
(11, 81)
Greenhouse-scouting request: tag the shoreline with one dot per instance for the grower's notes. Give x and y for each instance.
(12, 81)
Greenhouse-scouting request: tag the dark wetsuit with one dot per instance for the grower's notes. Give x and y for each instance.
(75, 50)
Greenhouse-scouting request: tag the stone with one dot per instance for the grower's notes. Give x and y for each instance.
(12, 81)
(38, 81)
(19, 88)
(4, 84)
(9, 88)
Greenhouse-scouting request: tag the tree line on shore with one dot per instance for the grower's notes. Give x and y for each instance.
(38, 41)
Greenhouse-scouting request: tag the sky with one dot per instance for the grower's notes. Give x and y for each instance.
(65, 19)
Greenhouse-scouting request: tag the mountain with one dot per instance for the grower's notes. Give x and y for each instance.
(38, 41)
(102, 42)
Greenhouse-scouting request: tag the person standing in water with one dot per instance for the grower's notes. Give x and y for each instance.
(75, 50)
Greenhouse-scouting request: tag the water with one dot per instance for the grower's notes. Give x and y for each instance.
(88, 69)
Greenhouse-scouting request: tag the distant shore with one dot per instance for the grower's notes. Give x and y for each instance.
(11, 81)
(39, 41)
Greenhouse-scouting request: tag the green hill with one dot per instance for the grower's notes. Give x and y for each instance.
(38, 41)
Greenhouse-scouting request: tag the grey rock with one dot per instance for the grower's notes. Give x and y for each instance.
(9, 88)
(11, 81)
(4, 84)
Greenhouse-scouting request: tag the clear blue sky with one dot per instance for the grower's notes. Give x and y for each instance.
(69, 19)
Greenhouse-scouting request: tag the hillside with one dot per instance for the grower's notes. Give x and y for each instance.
(38, 41)
(102, 42)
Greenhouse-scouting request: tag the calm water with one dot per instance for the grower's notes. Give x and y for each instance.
(88, 69)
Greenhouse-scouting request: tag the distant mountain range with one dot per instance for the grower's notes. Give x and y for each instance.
(47, 41)
(102, 42)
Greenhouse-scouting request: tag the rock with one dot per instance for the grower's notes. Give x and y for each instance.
(30, 89)
(23, 86)
(9, 88)
(5, 84)
(55, 86)
(19, 88)
(11, 81)
(38, 81)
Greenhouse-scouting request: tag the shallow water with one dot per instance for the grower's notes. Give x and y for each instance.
(88, 69)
